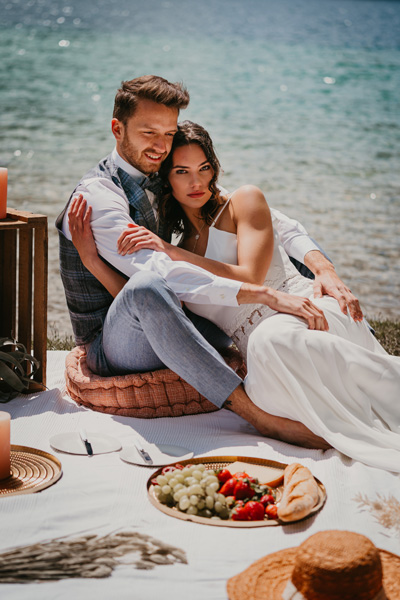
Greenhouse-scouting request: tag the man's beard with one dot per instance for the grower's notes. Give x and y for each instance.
(138, 160)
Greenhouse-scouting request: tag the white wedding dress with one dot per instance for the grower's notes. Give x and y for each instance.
(341, 384)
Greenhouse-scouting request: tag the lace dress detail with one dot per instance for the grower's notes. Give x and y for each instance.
(281, 276)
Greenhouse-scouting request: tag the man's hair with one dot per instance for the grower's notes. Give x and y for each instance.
(148, 87)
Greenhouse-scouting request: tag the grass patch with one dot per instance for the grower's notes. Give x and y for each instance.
(387, 333)
(56, 341)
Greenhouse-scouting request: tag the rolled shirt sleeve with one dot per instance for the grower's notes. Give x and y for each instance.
(293, 236)
(110, 217)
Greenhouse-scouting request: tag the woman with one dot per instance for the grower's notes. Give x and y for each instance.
(340, 383)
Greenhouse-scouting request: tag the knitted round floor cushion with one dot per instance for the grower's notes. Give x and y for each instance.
(145, 395)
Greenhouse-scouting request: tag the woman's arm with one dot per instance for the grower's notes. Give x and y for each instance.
(250, 219)
(82, 238)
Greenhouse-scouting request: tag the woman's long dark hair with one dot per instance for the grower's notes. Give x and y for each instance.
(170, 210)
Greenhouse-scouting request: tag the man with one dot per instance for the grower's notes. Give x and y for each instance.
(144, 327)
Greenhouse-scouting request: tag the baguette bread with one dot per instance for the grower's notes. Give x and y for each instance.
(300, 493)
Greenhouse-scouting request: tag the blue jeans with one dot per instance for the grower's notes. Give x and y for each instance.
(146, 329)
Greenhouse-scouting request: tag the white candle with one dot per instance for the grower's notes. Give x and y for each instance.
(3, 192)
(5, 466)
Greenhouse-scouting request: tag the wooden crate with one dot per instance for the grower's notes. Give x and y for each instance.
(23, 284)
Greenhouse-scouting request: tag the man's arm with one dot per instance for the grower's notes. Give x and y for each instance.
(292, 235)
(188, 281)
(299, 245)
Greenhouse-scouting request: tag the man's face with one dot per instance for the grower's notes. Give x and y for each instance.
(146, 139)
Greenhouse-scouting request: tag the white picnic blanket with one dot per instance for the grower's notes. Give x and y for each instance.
(102, 493)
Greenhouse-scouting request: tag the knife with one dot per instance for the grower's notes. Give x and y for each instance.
(145, 455)
(84, 438)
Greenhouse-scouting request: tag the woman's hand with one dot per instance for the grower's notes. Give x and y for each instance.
(285, 303)
(137, 238)
(81, 232)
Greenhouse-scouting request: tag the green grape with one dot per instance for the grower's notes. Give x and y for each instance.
(197, 474)
(201, 504)
(162, 480)
(190, 481)
(163, 498)
(166, 489)
(192, 510)
(195, 489)
(178, 486)
(194, 499)
(210, 502)
(211, 479)
(172, 482)
(217, 506)
(179, 494)
(184, 503)
(206, 513)
(224, 513)
(180, 477)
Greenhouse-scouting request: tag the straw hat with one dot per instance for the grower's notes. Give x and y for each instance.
(330, 565)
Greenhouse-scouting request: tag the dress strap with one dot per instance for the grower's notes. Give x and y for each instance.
(220, 212)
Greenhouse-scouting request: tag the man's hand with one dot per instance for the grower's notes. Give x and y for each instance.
(327, 283)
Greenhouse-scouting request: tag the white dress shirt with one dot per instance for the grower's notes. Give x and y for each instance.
(110, 217)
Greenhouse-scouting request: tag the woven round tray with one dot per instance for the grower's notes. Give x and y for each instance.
(219, 462)
(32, 470)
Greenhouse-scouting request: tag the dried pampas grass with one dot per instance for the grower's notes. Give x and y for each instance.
(85, 556)
(385, 510)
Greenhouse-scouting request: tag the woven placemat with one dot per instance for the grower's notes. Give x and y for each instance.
(32, 470)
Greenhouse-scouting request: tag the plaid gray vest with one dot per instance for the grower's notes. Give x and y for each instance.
(87, 300)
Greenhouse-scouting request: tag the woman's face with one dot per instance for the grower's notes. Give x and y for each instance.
(190, 176)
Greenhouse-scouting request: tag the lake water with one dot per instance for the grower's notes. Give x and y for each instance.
(302, 98)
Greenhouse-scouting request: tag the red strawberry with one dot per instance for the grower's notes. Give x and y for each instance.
(267, 499)
(239, 513)
(271, 510)
(243, 489)
(229, 487)
(255, 510)
(224, 475)
(240, 475)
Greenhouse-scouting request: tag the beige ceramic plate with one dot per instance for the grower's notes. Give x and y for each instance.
(219, 462)
(71, 443)
(32, 470)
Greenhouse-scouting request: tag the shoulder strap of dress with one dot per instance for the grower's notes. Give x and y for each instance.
(221, 211)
